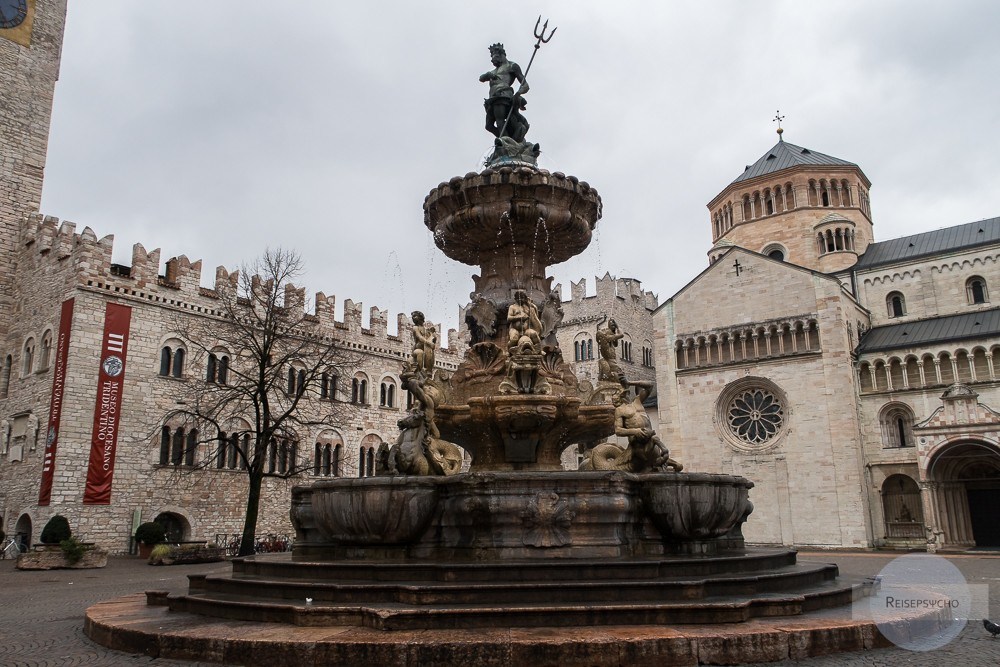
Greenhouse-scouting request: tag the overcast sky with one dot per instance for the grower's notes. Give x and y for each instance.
(216, 129)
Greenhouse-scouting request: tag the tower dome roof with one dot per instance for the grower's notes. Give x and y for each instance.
(784, 155)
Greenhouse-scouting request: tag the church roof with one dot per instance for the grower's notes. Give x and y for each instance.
(784, 156)
(930, 243)
(979, 324)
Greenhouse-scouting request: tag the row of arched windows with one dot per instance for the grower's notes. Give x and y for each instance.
(976, 292)
(33, 359)
(217, 371)
(773, 340)
(930, 370)
(647, 356)
(780, 198)
(722, 220)
(388, 393)
(583, 349)
(831, 192)
(626, 350)
(833, 240)
(180, 446)
(768, 201)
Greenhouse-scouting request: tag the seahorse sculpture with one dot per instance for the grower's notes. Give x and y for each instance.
(417, 453)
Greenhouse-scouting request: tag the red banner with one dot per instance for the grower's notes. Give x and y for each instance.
(55, 403)
(110, 380)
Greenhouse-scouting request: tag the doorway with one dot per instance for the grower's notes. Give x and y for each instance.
(983, 507)
(22, 532)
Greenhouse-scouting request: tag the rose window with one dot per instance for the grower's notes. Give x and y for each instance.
(755, 416)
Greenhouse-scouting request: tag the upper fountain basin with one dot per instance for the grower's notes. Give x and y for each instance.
(474, 217)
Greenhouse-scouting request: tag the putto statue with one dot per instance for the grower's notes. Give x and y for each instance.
(425, 343)
(522, 316)
(608, 369)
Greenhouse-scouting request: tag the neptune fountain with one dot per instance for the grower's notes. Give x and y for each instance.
(631, 538)
(517, 539)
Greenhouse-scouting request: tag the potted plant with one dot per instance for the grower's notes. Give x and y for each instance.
(147, 536)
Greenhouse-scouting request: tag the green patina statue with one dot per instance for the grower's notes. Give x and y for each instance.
(504, 105)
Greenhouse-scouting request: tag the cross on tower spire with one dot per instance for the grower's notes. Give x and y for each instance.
(777, 119)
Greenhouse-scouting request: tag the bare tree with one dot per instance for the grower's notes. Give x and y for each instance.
(281, 360)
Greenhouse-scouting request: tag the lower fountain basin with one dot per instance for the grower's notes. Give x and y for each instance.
(690, 506)
(499, 516)
(381, 510)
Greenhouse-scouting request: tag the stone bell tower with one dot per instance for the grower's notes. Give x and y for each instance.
(795, 205)
(31, 34)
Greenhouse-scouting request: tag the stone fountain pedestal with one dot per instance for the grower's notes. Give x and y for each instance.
(487, 550)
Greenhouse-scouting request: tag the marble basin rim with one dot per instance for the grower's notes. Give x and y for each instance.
(374, 510)
(691, 506)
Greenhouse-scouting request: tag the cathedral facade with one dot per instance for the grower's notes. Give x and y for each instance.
(852, 380)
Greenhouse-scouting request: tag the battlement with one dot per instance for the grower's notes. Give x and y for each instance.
(628, 290)
(179, 285)
(52, 240)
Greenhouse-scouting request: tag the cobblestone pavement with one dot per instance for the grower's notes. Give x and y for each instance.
(972, 648)
(41, 613)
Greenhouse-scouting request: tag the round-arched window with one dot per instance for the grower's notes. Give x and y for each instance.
(775, 251)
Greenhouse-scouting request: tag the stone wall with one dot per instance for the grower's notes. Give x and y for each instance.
(931, 287)
(29, 68)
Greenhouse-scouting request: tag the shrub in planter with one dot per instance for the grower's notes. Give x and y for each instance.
(73, 549)
(56, 530)
(159, 552)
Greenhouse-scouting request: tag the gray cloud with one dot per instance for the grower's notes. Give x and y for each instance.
(218, 129)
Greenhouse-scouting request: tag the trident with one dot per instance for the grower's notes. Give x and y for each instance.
(541, 39)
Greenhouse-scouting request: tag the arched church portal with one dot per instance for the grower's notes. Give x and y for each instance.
(965, 493)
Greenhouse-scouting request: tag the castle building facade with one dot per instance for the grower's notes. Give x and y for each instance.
(853, 381)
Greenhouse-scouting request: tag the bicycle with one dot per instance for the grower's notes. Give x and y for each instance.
(10, 548)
